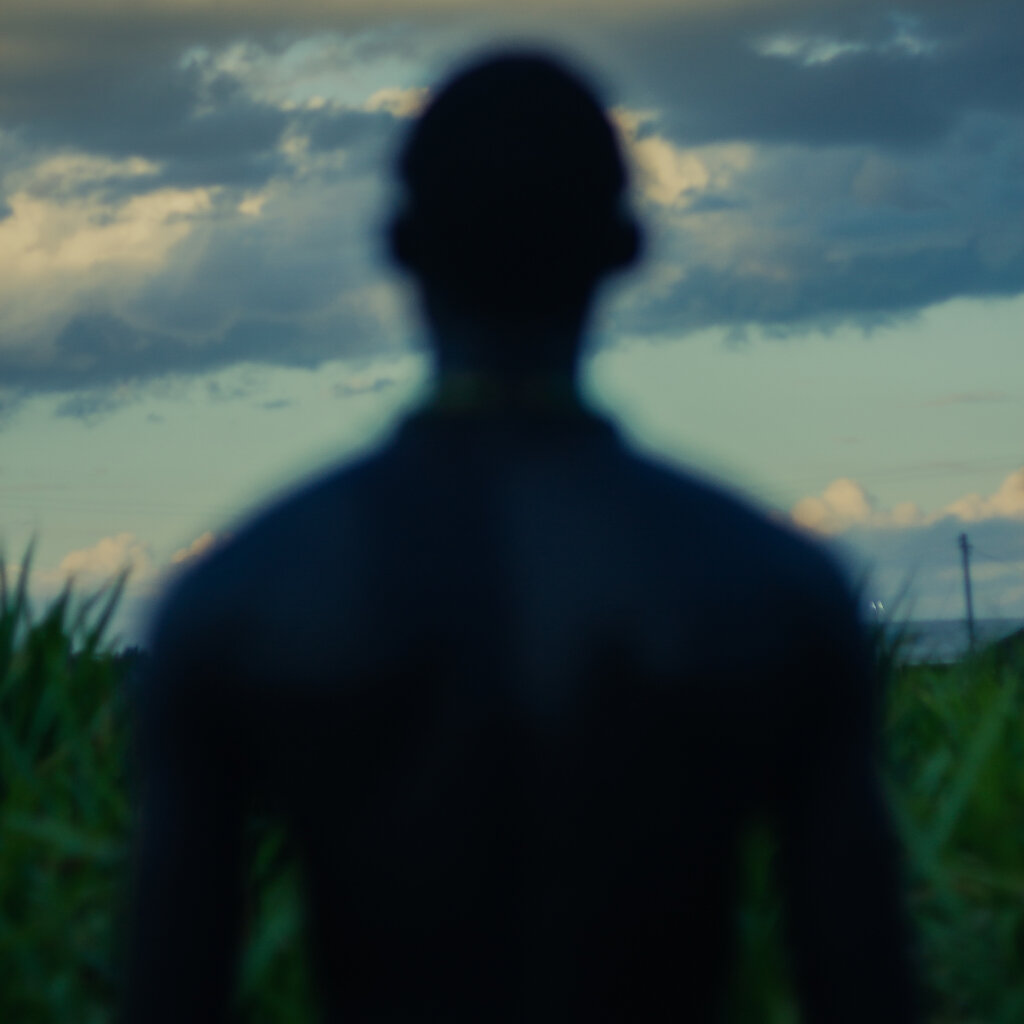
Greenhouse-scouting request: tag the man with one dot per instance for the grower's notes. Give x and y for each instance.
(515, 691)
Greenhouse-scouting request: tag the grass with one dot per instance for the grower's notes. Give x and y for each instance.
(954, 745)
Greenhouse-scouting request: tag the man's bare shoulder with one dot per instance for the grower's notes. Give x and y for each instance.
(744, 540)
(256, 561)
(736, 552)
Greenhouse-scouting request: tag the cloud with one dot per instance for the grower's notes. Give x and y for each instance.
(188, 186)
(95, 567)
(795, 239)
(287, 283)
(845, 504)
(199, 548)
(398, 102)
(673, 176)
(90, 406)
(362, 385)
(911, 559)
(849, 72)
(135, 244)
(42, 239)
(102, 562)
(1007, 502)
(883, 170)
(200, 128)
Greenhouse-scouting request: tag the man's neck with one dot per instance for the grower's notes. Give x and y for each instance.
(495, 345)
(482, 390)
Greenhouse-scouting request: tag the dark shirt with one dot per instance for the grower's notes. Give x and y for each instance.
(517, 692)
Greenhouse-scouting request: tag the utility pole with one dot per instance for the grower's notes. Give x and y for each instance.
(965, 549)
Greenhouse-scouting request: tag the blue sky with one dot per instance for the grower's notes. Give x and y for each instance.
(195, 310)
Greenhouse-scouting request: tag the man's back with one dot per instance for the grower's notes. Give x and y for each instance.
(517, 693)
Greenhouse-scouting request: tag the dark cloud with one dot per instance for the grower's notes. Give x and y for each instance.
(804, 290)
(346, 128)
(807, 237)
(199, 129)
(346, 389)
(280, 285)
(889, 160)
(887, 171)
(715, 204)
(99, 351)
(89, 406)
(218, 392)
(854, 71)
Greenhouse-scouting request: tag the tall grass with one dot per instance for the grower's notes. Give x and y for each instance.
(954, 743)
(65, 822)
(956, 773)
(63, 804)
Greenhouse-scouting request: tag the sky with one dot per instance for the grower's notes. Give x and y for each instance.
(196, 311)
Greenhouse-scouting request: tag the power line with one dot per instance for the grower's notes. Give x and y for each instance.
(1017, 563)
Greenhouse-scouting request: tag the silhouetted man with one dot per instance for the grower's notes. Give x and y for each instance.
(516, 692)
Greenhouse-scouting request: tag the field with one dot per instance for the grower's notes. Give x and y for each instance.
(954, 770)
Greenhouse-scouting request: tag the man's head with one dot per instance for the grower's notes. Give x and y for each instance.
(514, 192)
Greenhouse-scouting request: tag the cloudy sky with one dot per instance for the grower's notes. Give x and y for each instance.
(195, 310)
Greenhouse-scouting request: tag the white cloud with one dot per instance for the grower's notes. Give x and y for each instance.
(66, 245)
(74, 169)
(317, 71)
(807, 50)
(202, 545)
(400, 102)
(906, 513)
(252, 205)
(42, 237)
(905, 37)
(845, 504)
(60, 221)
(1007, 502)
(671, 175)
(188, 278)
(102, 562)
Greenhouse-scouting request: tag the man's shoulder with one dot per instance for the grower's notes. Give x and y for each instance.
(745, 540)
(257, 557)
